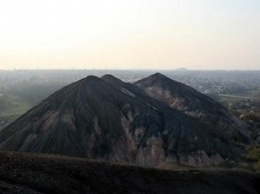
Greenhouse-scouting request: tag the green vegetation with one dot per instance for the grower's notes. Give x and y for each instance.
(248, 110)
(250, 160)
(11, 105)
(252, 117)
(17, 100)
(253, 153)
(14, 110)
(255, 93)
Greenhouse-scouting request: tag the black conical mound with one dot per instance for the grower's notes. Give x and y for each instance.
(195, 104)
(107, 119)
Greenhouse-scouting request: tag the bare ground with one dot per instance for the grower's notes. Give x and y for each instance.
(28, 173)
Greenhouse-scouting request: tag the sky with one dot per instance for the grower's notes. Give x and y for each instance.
(136, 34)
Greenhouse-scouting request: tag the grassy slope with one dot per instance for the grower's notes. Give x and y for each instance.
(24, 173)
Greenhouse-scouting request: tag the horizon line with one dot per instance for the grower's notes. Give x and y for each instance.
(107, 69)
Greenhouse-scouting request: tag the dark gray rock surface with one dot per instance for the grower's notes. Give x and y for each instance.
(32, 173)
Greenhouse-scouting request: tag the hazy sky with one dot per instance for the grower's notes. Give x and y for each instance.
(134, 34)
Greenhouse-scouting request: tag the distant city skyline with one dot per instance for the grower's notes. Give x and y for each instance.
(143, 34)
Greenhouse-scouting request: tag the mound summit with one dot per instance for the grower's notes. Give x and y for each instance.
(144, 123)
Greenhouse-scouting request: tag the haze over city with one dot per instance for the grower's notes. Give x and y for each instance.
(143, 34)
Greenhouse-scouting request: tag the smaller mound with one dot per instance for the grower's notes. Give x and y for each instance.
(110, 78)
(195, 104)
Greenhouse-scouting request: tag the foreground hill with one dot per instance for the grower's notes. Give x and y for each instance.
(32, 174)
(110, 120)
